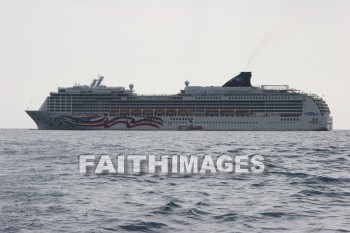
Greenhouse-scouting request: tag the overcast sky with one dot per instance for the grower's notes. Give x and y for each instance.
(158, 44)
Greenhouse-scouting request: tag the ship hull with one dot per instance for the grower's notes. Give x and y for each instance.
(66, 121)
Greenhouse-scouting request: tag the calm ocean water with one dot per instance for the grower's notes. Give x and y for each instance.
(305, 188)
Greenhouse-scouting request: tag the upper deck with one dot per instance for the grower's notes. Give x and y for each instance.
(231, 88)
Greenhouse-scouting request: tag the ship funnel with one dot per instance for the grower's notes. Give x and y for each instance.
(241, 80)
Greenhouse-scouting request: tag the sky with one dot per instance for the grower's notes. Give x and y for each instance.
(159, 44)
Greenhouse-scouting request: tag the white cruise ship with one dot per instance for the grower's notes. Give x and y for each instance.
(237, 105)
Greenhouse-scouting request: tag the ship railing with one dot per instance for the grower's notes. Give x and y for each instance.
(155, 95)
(275, 87)
(315, 96)
(236, 113)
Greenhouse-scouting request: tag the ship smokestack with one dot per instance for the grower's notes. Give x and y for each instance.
(241, 80)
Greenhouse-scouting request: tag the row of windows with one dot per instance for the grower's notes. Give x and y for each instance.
(208, 98)
(112, 99)
(142, 106)
(166, 105)
(154, 98)
(191, 114)
(91, 103)
(183, 121)
(262, 98)
(289, 119)
(243, 98)
(277, 110)
(70, 95)
(282, 122)
(179, 107)
(213, 122)
(182, 101)
(119, 95)
(75, 101)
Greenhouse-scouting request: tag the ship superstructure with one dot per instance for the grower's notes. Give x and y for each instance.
(237, 105)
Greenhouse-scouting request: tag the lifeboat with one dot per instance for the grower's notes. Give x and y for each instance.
(212, 112)
(227, 112)
(159, 112)
(182, 112)
(148, 112)
(136, 112)
(242, 112)
(124, 112)
(171, 112)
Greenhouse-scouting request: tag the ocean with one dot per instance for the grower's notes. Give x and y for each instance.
(305, 186)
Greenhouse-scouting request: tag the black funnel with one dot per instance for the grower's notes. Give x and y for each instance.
(241, 80)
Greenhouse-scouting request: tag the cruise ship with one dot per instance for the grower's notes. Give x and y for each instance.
(237, 105)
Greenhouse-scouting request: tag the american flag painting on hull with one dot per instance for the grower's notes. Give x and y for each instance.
(106, 122)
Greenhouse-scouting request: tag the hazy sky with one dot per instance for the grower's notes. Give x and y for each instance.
(158, 44)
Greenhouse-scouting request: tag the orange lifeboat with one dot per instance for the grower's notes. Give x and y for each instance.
(228, 112)
(124, 112)
(136, 112)
(212, 112)
(159, 112)
(148, 112)
(183, 112)
(171, 112)
(242, 112)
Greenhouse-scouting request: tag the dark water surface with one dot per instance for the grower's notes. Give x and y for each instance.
(305, 188)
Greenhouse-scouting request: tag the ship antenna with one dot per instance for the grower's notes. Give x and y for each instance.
(100, 78)
(93, 82)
